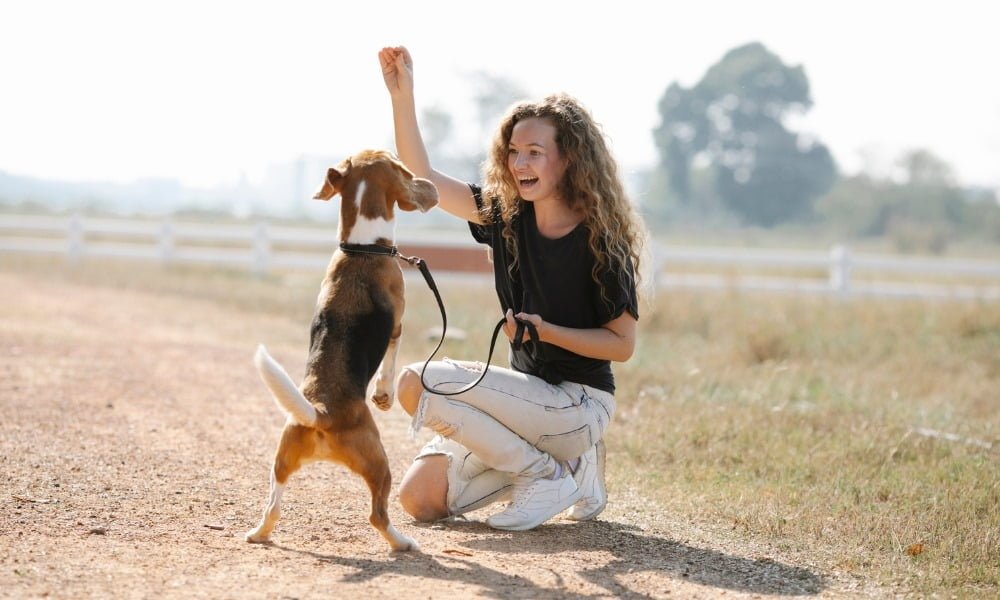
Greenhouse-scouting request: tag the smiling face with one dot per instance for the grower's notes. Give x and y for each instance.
(534, 160)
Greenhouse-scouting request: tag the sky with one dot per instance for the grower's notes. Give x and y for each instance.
(208, 92)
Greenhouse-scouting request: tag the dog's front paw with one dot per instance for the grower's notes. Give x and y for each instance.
(383, 400)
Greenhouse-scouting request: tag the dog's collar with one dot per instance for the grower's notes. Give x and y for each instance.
(369, 249)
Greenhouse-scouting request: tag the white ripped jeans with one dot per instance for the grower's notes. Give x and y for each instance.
(510, 424)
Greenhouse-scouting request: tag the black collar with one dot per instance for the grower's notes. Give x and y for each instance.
(369, 249)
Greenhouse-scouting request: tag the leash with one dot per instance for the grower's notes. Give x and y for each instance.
(421, 264)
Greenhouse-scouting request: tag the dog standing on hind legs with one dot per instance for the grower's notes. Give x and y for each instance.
(354, 337)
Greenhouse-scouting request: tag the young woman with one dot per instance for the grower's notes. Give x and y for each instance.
(566, 246)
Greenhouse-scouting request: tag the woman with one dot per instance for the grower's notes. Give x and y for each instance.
(566, 246)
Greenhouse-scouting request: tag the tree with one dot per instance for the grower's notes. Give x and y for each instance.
(491, 96)
(920, 208)
(437, 126)
(734, 120)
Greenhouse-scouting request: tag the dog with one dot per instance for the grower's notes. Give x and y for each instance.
(354, 337)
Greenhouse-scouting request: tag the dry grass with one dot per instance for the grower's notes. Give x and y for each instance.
(795, 421)
(806, 422)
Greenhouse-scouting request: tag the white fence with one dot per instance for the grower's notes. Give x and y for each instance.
(259, 247)
(262, 247)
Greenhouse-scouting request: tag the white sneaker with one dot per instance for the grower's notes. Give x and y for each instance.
(535, 501)
(589, 478)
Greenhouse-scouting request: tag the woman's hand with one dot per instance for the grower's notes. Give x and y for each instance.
(397, 69)
(510, 327)
(615, 340)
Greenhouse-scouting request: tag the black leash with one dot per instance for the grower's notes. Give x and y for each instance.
(421, 264)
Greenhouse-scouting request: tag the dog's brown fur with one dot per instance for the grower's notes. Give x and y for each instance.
(355, 332)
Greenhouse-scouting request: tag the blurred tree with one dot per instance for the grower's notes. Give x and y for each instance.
(921, 210)
(733, 121)
(492, 96)
(437, 127)
(921, 167)
(451, 152)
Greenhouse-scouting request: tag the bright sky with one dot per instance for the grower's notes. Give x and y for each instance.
(205, 90)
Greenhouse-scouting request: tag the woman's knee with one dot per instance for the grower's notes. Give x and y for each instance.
(419, 506)
(424, 489)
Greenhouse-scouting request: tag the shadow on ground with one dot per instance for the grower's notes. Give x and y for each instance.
(633, 552)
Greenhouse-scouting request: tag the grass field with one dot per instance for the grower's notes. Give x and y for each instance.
(864, 434)
(859, 436)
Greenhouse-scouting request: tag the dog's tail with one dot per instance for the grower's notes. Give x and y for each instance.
(284, 390)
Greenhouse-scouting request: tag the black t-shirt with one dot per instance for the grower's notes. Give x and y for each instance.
(552, 278)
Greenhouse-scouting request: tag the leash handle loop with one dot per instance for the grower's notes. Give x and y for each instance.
(523, 325)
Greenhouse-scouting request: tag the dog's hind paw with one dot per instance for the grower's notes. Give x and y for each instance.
(382, 400)
(409, 546)
(255, 537)
(400, 542)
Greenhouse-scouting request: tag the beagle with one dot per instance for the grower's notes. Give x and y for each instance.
(354, 337)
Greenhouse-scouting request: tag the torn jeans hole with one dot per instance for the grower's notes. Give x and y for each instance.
(441, 427)
(470, 366)
(418, 416)
(432, 422)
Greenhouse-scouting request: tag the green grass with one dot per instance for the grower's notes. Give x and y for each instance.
(789, 420)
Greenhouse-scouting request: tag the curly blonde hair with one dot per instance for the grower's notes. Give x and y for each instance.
(590, 184)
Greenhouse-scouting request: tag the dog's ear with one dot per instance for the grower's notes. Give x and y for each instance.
(423, 195)
(335, 177)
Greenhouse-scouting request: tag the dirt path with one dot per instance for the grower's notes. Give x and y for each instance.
(135, 440)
